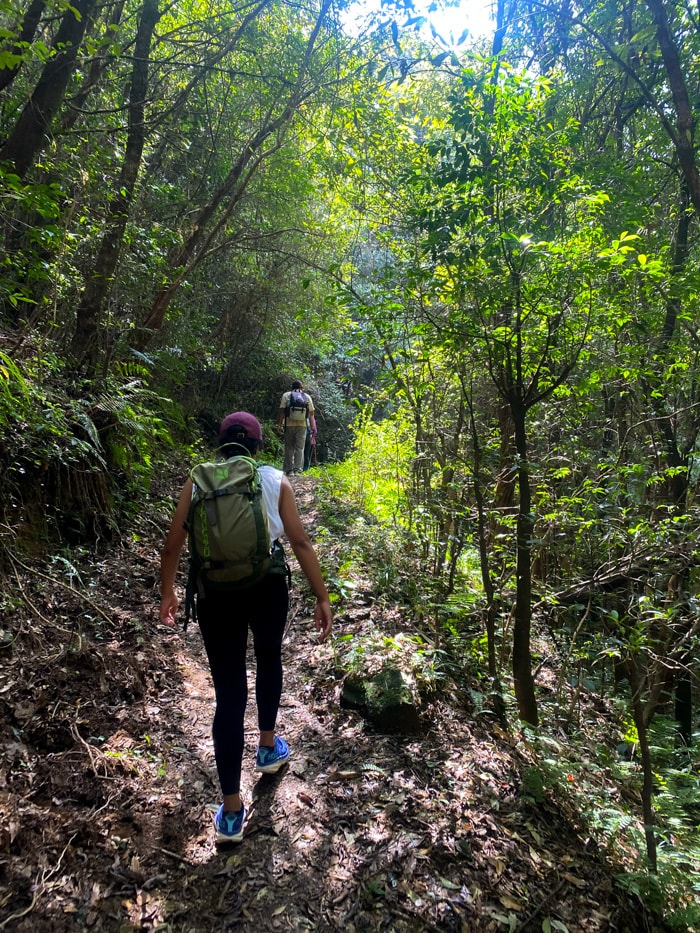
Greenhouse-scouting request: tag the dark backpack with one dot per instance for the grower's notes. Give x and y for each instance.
(228, 534)
(297, 402)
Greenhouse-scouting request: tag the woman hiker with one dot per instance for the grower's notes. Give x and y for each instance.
(224, 620)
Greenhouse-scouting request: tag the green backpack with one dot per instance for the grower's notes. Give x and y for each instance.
(228, 534)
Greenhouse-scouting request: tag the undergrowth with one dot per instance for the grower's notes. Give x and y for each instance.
(583, 756)
(77, 458)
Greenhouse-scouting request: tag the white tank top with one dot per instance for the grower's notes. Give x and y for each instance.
(271, 485)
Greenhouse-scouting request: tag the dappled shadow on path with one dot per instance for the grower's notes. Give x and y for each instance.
(108, 788)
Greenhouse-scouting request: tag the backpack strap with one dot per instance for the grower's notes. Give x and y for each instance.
(209, 497)
(190, 596)
(261, 531)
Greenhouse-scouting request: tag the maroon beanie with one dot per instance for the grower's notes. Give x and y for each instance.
(242, 419)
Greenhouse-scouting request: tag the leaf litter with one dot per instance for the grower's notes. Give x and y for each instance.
(108, 787)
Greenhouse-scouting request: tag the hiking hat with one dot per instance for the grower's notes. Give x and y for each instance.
(241, 419)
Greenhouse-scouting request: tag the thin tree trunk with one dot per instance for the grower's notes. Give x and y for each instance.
(99, 283)
(522, 662)
(485, 564)
(484, 561)
(685, 121)
(676, 458)
(683, 703)
(648, 775)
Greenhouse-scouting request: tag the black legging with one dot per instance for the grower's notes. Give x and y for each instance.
(224, 620)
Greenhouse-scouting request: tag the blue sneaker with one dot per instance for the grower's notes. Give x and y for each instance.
(229, 826)
(270, 760)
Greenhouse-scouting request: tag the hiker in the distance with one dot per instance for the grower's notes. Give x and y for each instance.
(309, 447)
(224, 619)
(295, 407)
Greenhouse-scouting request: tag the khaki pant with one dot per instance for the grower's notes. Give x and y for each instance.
(294, 440)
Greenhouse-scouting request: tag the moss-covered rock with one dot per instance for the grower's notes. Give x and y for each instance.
(386, 699)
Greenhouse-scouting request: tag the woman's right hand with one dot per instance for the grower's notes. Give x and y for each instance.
(323, 618)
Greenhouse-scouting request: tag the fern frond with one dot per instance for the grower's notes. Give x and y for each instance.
(88, 425)
(10, 375)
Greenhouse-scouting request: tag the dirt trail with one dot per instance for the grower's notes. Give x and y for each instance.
(108, 786)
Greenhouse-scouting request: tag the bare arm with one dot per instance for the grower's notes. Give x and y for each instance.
(305, 554)
(170, 556)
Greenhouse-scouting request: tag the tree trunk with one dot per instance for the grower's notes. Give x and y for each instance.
(522, 661)
(677, 459)
(487, 582)
(685, 121)
(485, 564)
(683, 705)
(33, 126)
(648, 779)
(84, 346)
